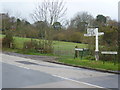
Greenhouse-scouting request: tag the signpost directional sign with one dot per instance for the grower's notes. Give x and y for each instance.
(92, 31)
(108, 52)
(99, 34)
(79, 49)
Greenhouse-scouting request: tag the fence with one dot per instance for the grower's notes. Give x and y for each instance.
(61, 51)
(68, 52)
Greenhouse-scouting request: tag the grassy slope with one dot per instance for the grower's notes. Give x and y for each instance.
(62, 45)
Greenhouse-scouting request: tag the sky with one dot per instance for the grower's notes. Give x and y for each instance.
(119, 11)
(23, 8)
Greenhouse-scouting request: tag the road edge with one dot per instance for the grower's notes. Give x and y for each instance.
(61, 63)
(101, 70)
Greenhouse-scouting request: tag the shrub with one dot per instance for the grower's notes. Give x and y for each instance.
(8, 41)
(30, 44)
(42, 46)
(69, 35)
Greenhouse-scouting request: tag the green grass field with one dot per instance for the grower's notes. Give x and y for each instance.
(60, 47)
(61, 44)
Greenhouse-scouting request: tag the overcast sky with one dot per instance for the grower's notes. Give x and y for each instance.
(23, 8)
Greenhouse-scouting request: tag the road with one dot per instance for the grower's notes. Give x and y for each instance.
(0, 71)
(20, 72)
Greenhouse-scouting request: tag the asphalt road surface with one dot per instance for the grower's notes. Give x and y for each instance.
(20, 72)
(0, 77)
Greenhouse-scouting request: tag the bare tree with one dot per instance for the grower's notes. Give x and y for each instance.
(80, 20)
(49, 11)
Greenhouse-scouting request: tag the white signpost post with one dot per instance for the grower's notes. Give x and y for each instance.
(94, 32)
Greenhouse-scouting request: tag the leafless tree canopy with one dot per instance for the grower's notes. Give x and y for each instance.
(49, 11)
(82, 17)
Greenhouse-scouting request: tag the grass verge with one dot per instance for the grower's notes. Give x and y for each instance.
(77, 61)
(90, 63)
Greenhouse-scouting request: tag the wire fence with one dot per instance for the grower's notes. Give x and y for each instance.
(69, 51)
(61, 51)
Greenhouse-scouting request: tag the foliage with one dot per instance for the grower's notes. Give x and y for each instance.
(30, 44)
(41, 28)
(57, 25)
(7, 22)
(101, 19)
(8, 41)
(113, 36)
(25, 29)
(81, 20)
(69, 36)
(109, 41)
(42, 46)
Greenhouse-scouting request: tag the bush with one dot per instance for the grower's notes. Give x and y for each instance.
(30, 44)
(69, 35)
(8, 41)
(42, 46)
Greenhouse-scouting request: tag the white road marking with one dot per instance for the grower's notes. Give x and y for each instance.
(78, 81)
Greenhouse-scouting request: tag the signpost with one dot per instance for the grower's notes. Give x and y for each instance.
(94, 32)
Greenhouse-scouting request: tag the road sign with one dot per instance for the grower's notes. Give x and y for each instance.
(99, 34)
(79, 49)
(87, 35)
(108, 52)
(92, 31)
